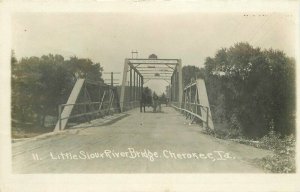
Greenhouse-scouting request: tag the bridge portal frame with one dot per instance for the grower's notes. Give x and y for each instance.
(144, 70)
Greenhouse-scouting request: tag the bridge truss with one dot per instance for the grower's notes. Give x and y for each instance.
(88, 100)
(141, 71)
(91, 100)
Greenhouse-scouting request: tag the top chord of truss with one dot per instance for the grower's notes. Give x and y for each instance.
(154, 61)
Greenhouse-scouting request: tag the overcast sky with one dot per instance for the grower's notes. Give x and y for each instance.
(108, 38)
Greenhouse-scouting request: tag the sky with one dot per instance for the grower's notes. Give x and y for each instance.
(108, 38)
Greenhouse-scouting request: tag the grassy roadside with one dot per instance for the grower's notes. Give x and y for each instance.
(28, 132)
(282, 160)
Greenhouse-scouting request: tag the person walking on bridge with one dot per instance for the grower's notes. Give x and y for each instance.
(155, 102)
(143, 102)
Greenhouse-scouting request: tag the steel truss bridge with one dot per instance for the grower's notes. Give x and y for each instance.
(91, 100)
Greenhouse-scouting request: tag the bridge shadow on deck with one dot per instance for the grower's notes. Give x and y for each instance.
(108, 120)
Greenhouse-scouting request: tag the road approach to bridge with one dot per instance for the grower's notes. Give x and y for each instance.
(148, 142)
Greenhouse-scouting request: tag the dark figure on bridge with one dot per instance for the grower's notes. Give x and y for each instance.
(159, 102)
(143, 102)
(167, 102)
(155, 102)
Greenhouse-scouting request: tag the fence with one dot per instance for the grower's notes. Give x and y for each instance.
(194, 98)
(88, 110)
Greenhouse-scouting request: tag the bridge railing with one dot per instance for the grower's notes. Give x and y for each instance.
(88, 100)
(84, 112)
(195, 104)
(87, 111)
(193, 111)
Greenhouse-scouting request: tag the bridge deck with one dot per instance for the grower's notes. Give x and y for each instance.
(167, 133)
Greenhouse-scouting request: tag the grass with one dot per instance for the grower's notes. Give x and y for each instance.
(28, 131)
(283, 158)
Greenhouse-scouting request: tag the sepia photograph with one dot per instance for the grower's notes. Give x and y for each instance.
(113, 93)
(153, 92)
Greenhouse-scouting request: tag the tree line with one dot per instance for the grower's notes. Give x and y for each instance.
(40, 84)
(250, 90)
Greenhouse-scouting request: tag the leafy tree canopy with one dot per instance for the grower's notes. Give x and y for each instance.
(40, 84)
(250, 89)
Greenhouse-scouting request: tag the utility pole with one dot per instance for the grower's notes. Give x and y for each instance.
(136, 54)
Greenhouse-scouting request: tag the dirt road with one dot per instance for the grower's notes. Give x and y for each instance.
(138, 143)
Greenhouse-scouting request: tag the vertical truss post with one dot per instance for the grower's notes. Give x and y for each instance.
(135, 87)
(180, 88)
(85, 99)
(185, 98)
(134, 91)
(122, 97)
(139, 87)
(99, 91)
(196, 100)
(112, 79)
(59, 116)
(171, 88)
(207, 115)
(176, 86)
(191, 98)
(130, 83)
(142, 86)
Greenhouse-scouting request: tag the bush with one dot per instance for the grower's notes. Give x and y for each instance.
(227, 129)
(243, 80)
(283, 159)
(270, 141)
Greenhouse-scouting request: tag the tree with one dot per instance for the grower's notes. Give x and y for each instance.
(39, 85)
(84, 68)
(253, 87)
(191, 72)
